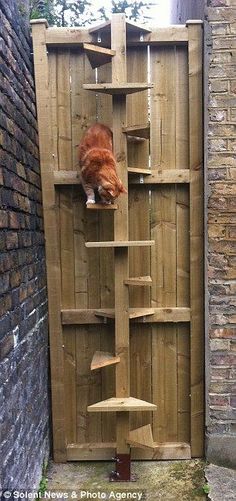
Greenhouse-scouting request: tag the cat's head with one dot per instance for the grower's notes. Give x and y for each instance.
(110, 191)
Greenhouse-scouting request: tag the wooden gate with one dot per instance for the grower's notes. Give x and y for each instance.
(158, 144)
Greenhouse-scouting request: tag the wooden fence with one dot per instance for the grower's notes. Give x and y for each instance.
(158, 144)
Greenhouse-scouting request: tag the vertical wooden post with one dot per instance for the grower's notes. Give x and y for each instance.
(119, 75)
(51, 233)
(196, 235)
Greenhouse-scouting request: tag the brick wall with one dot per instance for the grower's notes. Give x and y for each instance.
(24, 406)
(221, 230)
(220, 194)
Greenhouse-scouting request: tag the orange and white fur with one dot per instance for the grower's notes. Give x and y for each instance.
(98, 166)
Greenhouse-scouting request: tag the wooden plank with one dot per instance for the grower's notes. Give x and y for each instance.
(105, 451)
(102, 359)
(141, 437)
(119, 74)
(118, 89)
(86, 270)
(139, 281)
(76, 37)
(154, 176)
(121, 405)
(106, 232)
(91, 316)
(164, 177)
(52, 247)
(183, 252)
(68, 301)
(67, 37)
(163, 153)
(64, 110)
(98, 55)
(52, 66)
(163, 451)
(121, 243)
(102, 206)
(83, 105)
(196, 238)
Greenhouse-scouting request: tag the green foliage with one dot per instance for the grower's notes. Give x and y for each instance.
(43, 9)
(206, 488)
(44, 481)
(85, 12)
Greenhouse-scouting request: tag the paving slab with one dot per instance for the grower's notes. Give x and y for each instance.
(222, 483)
(166, 480)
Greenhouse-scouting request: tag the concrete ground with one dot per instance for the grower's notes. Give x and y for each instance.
(167, 480)
(222, 482)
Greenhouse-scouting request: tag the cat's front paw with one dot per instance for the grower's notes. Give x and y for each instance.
(90, 201)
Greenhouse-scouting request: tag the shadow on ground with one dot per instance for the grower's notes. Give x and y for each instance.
(167, 480)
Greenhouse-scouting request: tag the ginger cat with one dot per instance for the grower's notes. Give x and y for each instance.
(98, 166)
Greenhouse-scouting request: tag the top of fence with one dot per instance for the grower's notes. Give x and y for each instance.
(101, 35)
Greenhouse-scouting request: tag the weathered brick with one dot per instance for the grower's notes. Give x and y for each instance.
(11, 240)
(23, 319)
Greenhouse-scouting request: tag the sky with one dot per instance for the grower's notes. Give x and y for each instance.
(159, 12)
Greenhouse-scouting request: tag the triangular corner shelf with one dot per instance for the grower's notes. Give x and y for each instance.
(98, 55)
(127, 404)
(118, 89)
(141, 437)
(139, 281)
(103, 359)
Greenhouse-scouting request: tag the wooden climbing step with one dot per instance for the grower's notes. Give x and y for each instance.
(134, 170)
(97, 55)
(133, 313)
(118, 89)
(140, 312)
(103, 359)
(121, 243)
(102, 206)
(141, 131)
(139, 281)
(121, 405)
(141, 437)
(131, 28)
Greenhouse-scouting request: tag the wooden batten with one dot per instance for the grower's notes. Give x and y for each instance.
(103, 359)
(106, 450)
(139, 281)
(102, 206)
(93, 316)
(167, 176)
(98, 55)
(196, 236)
(126, 404)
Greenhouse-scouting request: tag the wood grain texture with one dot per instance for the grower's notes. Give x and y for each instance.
(196, 238)
(52, 242)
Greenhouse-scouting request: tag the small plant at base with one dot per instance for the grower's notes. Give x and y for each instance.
(44, 481)
(206, 488)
